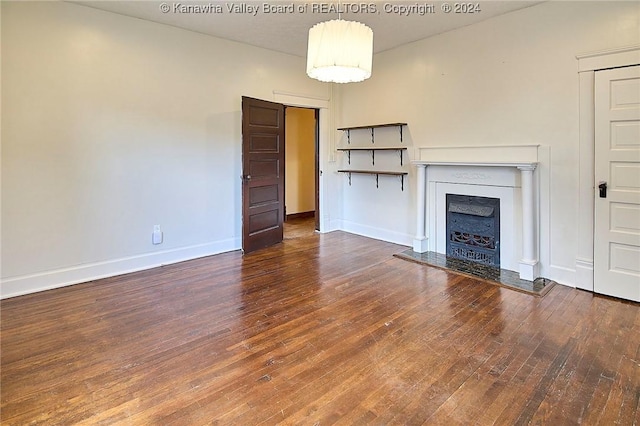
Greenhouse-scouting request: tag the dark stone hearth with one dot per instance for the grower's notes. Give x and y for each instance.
(491, 274)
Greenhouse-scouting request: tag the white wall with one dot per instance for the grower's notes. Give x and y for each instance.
(508, 80)
(377, 208)
(111, 125)
(300, 154)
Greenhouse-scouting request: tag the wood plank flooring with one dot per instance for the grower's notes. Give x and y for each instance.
(324, 329)
(299, 227)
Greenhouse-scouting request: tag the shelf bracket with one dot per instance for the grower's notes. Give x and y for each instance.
(373, 135)
(373, 157)
(349, 178)
(377, 177)
(349, 156)
(349, 137)
(400, 133)
(401, 157)
(402, 182)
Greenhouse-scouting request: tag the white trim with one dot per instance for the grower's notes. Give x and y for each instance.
(529, 264)
(420, 241)
(562, 275)
(20, 285)
(482, 147)
(521, 166)
(421, 245)
(584, 274)
(377, 233)
(528, 269)
(543, 195)
(586, 177)
(334, 225)
(307, 101)
(505, 155)
(323, 105)
(611, 58)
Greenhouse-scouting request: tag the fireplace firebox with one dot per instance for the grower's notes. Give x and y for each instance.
(473, 228)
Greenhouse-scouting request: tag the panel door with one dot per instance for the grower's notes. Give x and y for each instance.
(262, 173)
(617, 183)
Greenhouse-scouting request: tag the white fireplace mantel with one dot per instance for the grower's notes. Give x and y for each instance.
(521, 157)
(477, 164)
(488, 155)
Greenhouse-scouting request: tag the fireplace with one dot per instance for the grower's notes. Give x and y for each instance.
(473, 228)
(493, 230)
(506, 172)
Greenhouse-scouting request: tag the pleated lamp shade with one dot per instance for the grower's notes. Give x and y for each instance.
(340, 51)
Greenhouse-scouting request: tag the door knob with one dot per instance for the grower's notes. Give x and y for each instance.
(603, 189)
(245, 177)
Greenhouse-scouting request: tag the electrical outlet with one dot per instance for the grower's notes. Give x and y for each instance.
(156, 237)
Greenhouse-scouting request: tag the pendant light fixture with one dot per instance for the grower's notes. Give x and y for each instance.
(340, 51)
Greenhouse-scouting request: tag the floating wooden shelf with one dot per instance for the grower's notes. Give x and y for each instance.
(377, 148)
(373, 152)
(372, 127)
(376, 173)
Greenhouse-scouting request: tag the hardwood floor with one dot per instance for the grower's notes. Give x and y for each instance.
(318, 330)
(299, 227)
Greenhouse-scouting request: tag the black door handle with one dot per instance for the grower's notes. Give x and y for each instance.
(603, 189)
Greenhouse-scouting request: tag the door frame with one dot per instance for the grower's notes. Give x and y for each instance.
(316, 163)
(588, 65)
(317, 168)
(325, 144)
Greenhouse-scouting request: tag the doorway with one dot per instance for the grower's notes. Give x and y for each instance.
(301, 172)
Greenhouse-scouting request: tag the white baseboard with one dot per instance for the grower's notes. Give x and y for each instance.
(562, 275)
(25, 284)
(333, 225)
(584, 274)
(378, 233)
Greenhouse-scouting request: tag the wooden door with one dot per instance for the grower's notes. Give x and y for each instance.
(262, 173)
(617, 183)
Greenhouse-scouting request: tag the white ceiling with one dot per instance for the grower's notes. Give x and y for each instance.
(287, 32)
